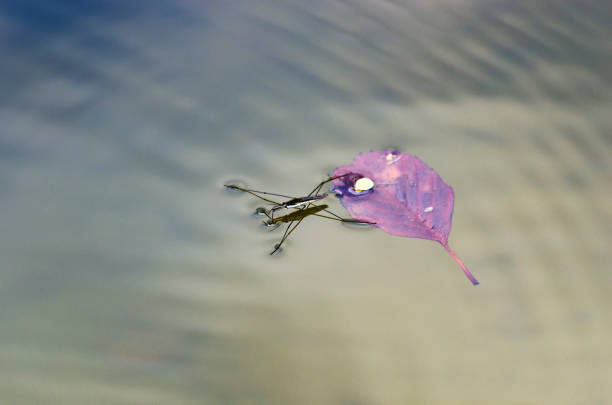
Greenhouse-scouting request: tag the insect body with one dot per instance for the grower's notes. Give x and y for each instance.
(299, 201)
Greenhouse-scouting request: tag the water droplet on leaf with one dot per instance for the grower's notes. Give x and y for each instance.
(363, 184)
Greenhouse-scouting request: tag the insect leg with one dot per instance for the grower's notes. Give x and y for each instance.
(339, 218)
(347, 220)
(317, 189)
(270, 220)
(255, 192)
(287, 230)
(286, 235)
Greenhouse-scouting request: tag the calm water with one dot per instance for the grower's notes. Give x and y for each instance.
(129, 276)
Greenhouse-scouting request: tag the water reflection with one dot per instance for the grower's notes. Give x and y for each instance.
(130, 276)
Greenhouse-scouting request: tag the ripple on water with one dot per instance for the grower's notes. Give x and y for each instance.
(259, 212)
(268, 227)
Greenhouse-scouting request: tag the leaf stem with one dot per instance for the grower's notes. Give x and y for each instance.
(465, 270)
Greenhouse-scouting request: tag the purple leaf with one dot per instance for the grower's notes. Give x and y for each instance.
(407, 197)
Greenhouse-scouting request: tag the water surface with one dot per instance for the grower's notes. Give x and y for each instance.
(129, 276)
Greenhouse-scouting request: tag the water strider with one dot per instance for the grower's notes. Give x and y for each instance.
(303, 207)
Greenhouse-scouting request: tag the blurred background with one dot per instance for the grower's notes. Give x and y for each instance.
(129, 275)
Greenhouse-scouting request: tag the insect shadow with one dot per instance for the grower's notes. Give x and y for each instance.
(302, 207)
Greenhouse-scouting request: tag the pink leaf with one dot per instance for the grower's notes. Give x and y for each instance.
(408, 198)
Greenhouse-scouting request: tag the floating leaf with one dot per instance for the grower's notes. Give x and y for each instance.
(399, 194)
